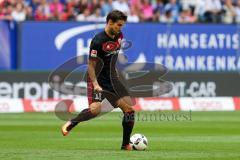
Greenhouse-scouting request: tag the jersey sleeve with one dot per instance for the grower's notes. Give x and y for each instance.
(94, 50)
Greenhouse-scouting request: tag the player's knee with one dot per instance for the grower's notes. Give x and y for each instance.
(128, 109)
(94, 112)
(131, 110)
(95, 109)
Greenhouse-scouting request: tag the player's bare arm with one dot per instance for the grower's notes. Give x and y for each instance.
(92, 75)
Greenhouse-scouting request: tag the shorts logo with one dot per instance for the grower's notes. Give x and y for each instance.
(94, 53)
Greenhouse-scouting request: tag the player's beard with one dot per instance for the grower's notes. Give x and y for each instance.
(112, 32)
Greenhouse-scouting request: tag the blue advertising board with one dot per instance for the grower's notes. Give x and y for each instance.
(7, 45)
(199, 47)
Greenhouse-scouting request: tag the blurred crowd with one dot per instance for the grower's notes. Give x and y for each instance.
(164, 11)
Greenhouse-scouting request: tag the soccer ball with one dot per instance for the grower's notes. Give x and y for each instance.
(139, 142)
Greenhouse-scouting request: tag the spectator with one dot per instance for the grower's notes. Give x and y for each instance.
(93, 6)
(173, 7)
(56, 6)
(196, 6)
(96, 16)
(83, 16)
(19, 13)
(167, 17)
(83, 4)
(199, 10)
(13, 3)
(56, 9)
(189, 3)
(25, 2)
(146, 11)
(74, 6)
(136, 4)
(186, 15)
(34, 5)
(1, 12)
(238, 11)
(159, 7)
(121, 5)
(133, 17)
(29, 13)
(43, 11)
(158, 10)
(68, 14)
(6, 11)
(229, 12)
(106, 7)
(213, 10)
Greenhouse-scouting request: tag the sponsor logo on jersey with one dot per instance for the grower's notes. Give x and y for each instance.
(94, 53)
(110, 46)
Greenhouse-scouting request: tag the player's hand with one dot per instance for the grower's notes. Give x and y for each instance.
(97, 88)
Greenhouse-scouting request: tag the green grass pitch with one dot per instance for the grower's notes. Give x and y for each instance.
(35, 136)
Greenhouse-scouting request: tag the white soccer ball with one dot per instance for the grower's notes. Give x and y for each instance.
(139, 142)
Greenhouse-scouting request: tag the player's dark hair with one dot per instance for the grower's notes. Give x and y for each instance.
(116, 15)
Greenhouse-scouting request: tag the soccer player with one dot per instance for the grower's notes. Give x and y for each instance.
(103, 76)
